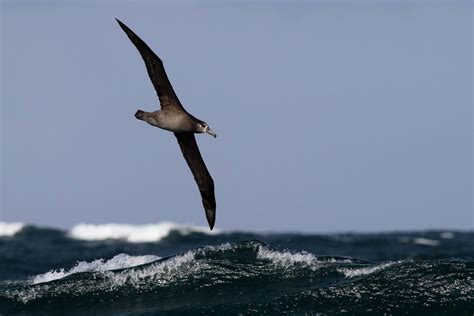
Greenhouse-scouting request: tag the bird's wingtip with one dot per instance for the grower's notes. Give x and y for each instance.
(211, 217)
(211, 222)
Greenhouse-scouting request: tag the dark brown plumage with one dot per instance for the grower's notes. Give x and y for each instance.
(173, 117)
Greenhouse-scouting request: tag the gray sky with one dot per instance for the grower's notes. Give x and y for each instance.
(330, 117)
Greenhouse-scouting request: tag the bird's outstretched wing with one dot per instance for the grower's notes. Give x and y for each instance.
(155, 69)
(193, 157)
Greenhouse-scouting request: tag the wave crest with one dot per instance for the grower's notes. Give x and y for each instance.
(119, 261)
(351, 273)
(10, 229)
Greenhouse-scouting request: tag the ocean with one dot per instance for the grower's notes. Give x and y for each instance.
(167, 268)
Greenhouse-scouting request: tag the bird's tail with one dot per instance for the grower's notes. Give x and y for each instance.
(140, 115)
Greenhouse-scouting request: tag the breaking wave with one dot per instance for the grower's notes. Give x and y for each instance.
(134, 233)
(120, 261)
(127, 232)
(10, 229)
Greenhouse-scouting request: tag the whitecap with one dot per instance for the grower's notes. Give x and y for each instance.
(288, 259)
(350, 273)
(120, 261)
(426, 242)
(158, 273)
(10, 229)
(161, 273)
(134, 233)
(446, 235)
(285, 257)
(222, 247)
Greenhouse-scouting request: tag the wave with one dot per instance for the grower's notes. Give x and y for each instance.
(153, 232)
(351, 273)
(284, 259)
(134, 233)
(244, 277)
(425, 241)
(10, 229)
(147, 272)
(119, 261)
(127, 232)
(289, 259)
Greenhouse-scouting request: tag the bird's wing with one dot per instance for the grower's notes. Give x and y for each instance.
(155, 69)
(193, 157)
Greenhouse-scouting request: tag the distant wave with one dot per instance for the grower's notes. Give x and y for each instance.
(134, 233)
(153, 232)
(425, 241)
(10, 229)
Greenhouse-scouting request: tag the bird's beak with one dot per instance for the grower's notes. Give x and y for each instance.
(210, 131)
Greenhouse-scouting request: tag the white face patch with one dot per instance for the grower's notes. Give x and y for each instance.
(209, 131)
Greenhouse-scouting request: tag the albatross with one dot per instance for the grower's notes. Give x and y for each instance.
(174, 118)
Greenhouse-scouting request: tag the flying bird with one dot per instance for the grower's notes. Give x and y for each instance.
(174, 118)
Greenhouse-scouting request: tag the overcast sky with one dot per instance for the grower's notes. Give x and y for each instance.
(329, 116)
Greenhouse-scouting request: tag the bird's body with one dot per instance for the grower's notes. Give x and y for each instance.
(174, 118)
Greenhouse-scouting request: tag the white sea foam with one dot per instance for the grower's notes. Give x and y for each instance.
(285, 256)
(222, 247)
(350, 273)
(426, 242)
(421, 241)
(446, 235)
(287, 259)
(120, 261)
(161, 273)
(134, 233)
(10, 229)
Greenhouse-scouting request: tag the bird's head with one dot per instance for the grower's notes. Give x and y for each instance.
(204, 128)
